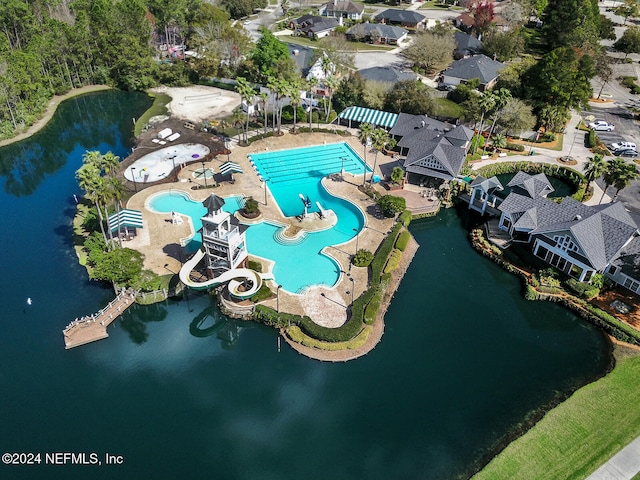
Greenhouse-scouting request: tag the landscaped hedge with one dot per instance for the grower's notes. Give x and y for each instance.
(403, 240)
(584, 290)
(298, 336)
(592, 141)
(255, 138)
(371, 312)
(630, 82)
(270, 317)
(342, 133)
(515, 146)
(262, 294)
(405, 218)
(393, 262)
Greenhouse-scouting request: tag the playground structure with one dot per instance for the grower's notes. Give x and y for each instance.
(224, 249)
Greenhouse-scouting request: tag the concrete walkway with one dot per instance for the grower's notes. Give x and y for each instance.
(622, 466)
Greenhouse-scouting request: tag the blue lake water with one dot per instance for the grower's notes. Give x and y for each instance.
(180, 391)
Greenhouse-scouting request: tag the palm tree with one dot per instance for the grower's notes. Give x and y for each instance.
(499, 141)
(295, 100)
(501, 98)
(364, 135)
(88, 177)
(619, 174)
(264, 96)
(331, 83)
(625, 174)
(247, 93)
(313, 83)
(593, 170)
(487, 102)
(237, 120)
(379, 139)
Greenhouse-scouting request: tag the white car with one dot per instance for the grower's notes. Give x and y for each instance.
(622, 146)
(601, 126)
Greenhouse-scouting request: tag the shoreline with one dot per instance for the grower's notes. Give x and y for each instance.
(378, 326)
(52, 106)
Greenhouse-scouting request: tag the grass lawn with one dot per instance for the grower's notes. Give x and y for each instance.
(436, 5)
(579, 435)
(159, 107)
(555, 145)
(447, 108)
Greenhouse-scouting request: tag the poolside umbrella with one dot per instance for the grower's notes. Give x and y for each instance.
(229, 167)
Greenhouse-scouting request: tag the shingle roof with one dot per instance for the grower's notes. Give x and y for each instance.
(424, 136)
(478, 66)
(303, 56)
(213, 203)
(344, 6)
(534, 185)
(397, 15)
(487, 185)
(467, 44)
(386, 74)
(325, 24)
(629, 259)
(385, 31)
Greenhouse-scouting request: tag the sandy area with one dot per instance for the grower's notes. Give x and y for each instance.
(198, 103)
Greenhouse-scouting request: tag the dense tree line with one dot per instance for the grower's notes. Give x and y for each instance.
(48, 47)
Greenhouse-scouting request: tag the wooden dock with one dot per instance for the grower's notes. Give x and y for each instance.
(94, 327)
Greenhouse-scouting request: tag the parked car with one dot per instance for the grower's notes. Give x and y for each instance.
(622, 146)
(446, 87)
(601, 126)
(629, 152)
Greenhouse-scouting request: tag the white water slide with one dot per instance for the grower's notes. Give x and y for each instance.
(235, 277)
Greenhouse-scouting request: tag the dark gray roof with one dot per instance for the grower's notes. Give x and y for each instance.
(487, 185)
(629, 259)
(478, 66)
(532, 185)
(303, 56)
(397, 15)
(385, 31)
(600, 232)
(344, 6)
(424, 136)
(213, 203)
(325, 24)
(467, 44)
(386, 74)
(408, 124)
(303, 19)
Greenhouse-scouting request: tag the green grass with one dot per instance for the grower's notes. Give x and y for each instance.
(579, 435)
(447, 108)
(159, 107)
(436, 5)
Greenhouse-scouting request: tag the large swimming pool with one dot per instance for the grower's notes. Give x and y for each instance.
(295, 172)
(299, 263)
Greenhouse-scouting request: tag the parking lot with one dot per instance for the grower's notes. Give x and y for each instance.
(626, 130)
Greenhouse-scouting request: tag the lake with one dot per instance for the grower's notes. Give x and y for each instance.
(179, 391)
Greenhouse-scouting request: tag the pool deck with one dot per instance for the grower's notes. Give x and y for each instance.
(159, 240)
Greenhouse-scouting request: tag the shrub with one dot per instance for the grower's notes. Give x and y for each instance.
(393, 262)
(405, 218)
(253, 265)
(548, 137)
(251, 206)
(362, 258)
(403, 241)
(269, 316)
(530, 293)
(397, 174)
(591, 139)
(515, 146)
(371, 312)
(262, 294)
(391, 205)
(584, 290)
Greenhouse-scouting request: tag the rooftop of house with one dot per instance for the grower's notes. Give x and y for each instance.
(384, 31)
(478, 66)
(467, 44)
(386, 74)
(343, 6)
(403, 16)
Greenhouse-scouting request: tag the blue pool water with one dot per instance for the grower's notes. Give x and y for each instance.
(295, 172)
(298, 264)
(167, 202)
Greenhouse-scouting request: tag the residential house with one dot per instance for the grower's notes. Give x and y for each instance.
(464, 22)
(377, 33)
(578, 239)
(388, 75)
(342, 9)
(477, 66)
(432, 148)
(484, 196)
(409, 19)
(314, 26)
(466, 45)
